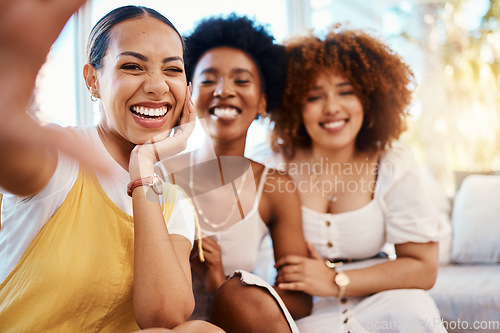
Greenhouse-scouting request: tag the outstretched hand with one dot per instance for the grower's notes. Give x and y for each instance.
(28, 28)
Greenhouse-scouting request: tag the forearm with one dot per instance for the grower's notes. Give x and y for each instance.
(162, 289)
(298, 303)
(402, 273)
(25, 167)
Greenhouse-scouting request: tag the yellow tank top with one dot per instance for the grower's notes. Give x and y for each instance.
(77, 274)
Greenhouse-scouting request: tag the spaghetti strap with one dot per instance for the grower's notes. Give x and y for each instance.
(261, 186)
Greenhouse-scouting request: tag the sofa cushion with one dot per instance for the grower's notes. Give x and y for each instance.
(476, 221)
(469, 294)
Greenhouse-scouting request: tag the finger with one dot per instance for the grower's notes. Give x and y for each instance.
(290, 273)
(188, 116)
(288, 260)
(195, 252)
(313, 253)
(299, 286)
(290, 269)
(188, 108)
(212, 252)
(289, 277)
(210, 241)
(210, 248)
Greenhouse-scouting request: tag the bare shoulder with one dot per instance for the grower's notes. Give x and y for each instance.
(280, 191)
(273, 176)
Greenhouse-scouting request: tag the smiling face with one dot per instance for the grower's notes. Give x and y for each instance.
(227, 92)
(332, 112)
(141, 84)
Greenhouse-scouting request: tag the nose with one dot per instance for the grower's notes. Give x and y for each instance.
(223, 89)
(332, 104)
(156, 84)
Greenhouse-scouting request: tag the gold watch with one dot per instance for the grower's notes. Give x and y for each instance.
(342, 281)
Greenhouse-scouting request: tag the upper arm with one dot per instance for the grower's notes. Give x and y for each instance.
(424, 252)
(284, 214)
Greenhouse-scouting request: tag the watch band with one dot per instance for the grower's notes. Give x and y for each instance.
(151, 181)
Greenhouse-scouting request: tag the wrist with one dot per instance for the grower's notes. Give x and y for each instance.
(140, 166)
(341, 280)
(154, 182)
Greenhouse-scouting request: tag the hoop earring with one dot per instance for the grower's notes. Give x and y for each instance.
(94, 98)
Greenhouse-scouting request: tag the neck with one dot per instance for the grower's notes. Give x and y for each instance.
(228, 148)
(343, 155)
(117, 146)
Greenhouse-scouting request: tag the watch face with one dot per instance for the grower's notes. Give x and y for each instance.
(341, 279)
(157, 185)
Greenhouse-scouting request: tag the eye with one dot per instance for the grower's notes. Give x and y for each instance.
(313, 98)
(174, 70)
(242, 82)
(347, 92)
(207, 81)
(131, 67)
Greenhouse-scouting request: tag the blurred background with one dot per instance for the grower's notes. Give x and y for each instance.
(452, 46)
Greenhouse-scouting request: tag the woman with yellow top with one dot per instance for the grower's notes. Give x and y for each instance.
(82, 251)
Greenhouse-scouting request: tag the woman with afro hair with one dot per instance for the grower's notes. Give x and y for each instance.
(237, 74)
(344, 105)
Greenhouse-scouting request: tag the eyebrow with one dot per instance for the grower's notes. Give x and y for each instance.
(236, 71)
(144, 58)
(342, 84)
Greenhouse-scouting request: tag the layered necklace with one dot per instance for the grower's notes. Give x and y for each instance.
(236, 191)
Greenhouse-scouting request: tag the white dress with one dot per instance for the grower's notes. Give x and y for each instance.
(400, 212)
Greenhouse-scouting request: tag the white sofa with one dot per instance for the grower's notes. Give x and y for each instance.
(467, 290)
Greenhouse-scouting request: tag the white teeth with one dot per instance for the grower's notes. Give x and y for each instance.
(334, 124)
(225, 112)
(149, 111)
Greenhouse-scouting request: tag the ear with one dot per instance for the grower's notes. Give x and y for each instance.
(262, 106)
(90, 77)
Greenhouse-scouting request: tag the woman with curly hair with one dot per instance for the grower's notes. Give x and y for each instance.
(344, 105)
(237, 72)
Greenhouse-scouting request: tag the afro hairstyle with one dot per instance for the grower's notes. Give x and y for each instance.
(244, 34)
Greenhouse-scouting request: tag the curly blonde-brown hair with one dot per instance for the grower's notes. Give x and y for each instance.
(381, 80)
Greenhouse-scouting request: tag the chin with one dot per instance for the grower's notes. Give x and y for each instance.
(151, 137)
